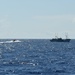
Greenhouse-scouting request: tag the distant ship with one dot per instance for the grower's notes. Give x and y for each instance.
(56, 39)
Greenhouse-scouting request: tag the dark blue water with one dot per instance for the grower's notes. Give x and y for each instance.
(37, 57)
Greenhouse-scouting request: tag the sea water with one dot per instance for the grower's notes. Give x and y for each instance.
(37, 57)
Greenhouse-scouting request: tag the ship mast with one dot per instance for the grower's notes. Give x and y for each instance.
(56, 36)
(66, 35)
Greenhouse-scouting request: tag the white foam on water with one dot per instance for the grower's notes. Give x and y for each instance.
(11, 41)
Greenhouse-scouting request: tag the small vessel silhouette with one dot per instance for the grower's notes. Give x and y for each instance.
(56, 39)
(14, 40)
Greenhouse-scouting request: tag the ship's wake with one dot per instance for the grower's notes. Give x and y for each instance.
(11, 41)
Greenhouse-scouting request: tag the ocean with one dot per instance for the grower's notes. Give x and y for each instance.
(37, 57)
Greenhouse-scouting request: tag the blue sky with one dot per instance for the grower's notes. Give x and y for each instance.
(37, 19)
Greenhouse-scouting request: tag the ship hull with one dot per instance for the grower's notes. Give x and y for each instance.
(60, 40)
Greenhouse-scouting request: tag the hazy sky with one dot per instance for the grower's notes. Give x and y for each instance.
(37, 18)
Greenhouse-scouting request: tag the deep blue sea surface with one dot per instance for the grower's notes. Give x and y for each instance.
(37, 57)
